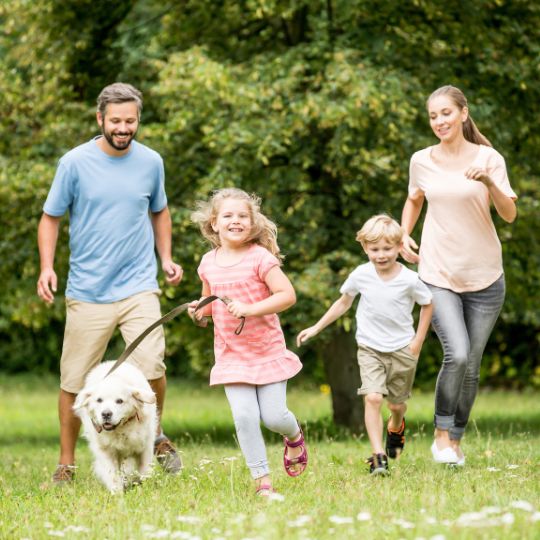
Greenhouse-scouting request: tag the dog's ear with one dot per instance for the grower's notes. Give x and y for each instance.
(144, 396)
(82, 399)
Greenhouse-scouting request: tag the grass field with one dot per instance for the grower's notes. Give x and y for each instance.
(496, 496)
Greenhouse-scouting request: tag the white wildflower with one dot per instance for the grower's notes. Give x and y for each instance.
(535, 516)
(56, 533)
(508, 518)
(48, 525)
(486, 510)
(77, 528)
(404, 524)
(512, 466)
(189, 519)
(340, 520)
(430, 520)
(363, 516)
(493, 469)
(300, 521)
(232, 458)
(161, 533)
(522, 505)
(278, 497)
(438, 537)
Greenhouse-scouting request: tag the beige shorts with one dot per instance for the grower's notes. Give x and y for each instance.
(388, 373)
(89, 328)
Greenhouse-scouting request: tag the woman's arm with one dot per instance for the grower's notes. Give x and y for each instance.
(409, 217)
(505, 205)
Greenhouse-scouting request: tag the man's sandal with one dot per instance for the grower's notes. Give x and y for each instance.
(295, 466)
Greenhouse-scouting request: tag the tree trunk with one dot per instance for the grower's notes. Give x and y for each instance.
(343, 376)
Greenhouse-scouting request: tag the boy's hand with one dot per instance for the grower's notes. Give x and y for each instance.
(306, 334)
(415, 346)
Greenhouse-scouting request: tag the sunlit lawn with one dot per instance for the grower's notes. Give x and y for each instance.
(495, 496)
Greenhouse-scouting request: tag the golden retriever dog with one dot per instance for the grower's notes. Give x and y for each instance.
(119, 417)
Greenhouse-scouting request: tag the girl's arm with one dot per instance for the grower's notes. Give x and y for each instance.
(505, 205)
(409, 217)
(282, 297)
(424, 321)
(199, 316)
(335, 311)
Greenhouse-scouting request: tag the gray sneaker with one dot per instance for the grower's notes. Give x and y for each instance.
(167, 455)
(64, 474)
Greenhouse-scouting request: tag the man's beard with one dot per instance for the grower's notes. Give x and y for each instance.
(124, 144)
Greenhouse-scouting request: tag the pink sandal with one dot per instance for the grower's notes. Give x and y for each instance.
(264, 490)
(301, 460)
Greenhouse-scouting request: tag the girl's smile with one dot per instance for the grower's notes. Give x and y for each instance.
(233, 222)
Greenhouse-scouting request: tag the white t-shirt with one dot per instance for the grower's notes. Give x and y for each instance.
(384, 315)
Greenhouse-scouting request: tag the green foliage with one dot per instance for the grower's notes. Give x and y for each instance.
(315, 106)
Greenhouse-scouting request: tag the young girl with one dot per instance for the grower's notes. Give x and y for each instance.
(244, 270)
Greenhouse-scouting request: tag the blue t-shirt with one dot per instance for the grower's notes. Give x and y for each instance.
(110, 235)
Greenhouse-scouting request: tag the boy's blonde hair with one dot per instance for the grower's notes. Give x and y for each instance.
(263, 231)
(380, 227)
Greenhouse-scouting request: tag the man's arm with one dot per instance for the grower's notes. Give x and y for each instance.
(47, 238)
(161, 223)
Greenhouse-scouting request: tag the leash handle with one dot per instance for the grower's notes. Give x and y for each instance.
(226, 300)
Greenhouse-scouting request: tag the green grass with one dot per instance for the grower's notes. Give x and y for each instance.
(213, 497)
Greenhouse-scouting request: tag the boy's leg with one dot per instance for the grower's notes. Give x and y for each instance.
(373, 419)
(397, 410)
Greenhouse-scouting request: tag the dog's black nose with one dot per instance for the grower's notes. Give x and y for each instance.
(106, 415)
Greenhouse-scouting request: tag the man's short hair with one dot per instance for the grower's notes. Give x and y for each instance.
(118, 93)
(380, 227)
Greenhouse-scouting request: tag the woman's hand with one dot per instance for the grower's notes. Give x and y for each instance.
(409, 249)
(480, 175)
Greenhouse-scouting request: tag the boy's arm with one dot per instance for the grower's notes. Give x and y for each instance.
(426, 311)
(335, 311)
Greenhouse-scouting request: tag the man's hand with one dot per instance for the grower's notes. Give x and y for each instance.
(173, 272)
(46, 285)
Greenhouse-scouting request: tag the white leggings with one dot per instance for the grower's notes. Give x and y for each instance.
(250, 404)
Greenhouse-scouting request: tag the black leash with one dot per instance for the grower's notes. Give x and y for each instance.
(167, 317)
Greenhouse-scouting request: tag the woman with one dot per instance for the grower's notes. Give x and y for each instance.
(460, 257)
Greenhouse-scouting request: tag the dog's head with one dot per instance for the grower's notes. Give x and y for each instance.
(112, 403)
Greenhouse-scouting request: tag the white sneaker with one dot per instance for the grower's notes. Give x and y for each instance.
(447, 455)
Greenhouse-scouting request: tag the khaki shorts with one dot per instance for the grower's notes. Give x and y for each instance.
(89, 328)
(388, 373)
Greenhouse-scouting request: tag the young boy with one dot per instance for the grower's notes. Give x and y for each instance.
(388, 347)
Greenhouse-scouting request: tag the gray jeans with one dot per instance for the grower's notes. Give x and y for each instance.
(463, 322)
(250, 404)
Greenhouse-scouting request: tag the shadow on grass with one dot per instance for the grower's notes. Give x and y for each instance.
(319, 430)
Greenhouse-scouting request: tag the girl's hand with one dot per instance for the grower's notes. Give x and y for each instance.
(306, 334)
(481, 175)
(197, 316)
(408, 248)
(239, 309)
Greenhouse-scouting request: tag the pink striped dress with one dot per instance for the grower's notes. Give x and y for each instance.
(259, 354)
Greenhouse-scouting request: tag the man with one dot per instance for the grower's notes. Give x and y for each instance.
(114, 190)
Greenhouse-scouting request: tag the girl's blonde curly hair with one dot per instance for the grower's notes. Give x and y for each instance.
(263, 231)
